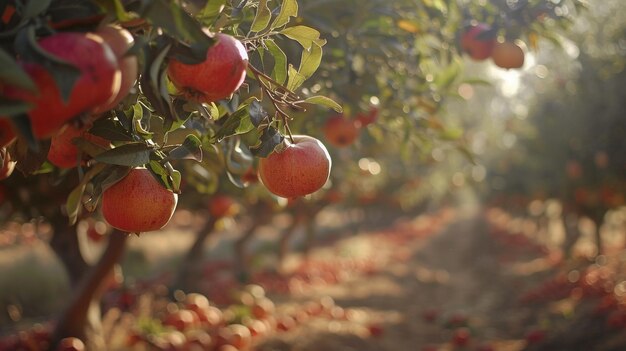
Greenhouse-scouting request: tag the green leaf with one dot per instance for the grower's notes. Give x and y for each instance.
(257, 113)
(467, 153)
(262, 17)
(279, 73)
(295, 79)
(13, 107)
(289, 8)
(268, 142)
(174, 21)
(304, 35)
(131, 155)
(12, 74)
(191, 149)
(35, 8)
(309, 62)
(477, 81)
(237, 123)
(211, 11)
(110, 129)
(73, 203)
(324, 101)
(116, 7)
(446, 77)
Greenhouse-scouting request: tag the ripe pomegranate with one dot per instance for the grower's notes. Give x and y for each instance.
(340, 131)
(63, 152)
(477, 49)
(222, 206)
(8, 165)
(99, 80)
(218, 77)
(120, 41)
(7, 135)
(508, 55)
(138, 203)
(299, 169)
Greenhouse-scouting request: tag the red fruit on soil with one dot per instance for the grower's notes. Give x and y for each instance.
(239, 337)
(198, 340)
(299, 169)
(222, 206)
(138, 203)
(181, 319)
(340, 131)
(535, 336)
(285, 323)
(63, 152)
(376, 330)
(461, 337)
(98, 82)
(196, 302)
(71, 344)
(119, 40)
(262, 308)
(7, 135)
(218, 77)
(430, 315)
(8, 165)
(457, 320)
(508, 55)
(477, 49)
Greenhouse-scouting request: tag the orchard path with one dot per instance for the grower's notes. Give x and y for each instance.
(453, 271)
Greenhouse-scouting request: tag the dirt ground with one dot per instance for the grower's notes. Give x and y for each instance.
(456, 271)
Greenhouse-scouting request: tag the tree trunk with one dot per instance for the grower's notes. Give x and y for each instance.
(597, 219)
(81, 319)
(190, 267)
(64, 243)
(572, 234)
(285, 238)
(241, 256)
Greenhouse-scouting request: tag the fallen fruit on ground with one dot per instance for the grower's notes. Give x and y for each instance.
(218, 77)
(299, 168)
(138, 203)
